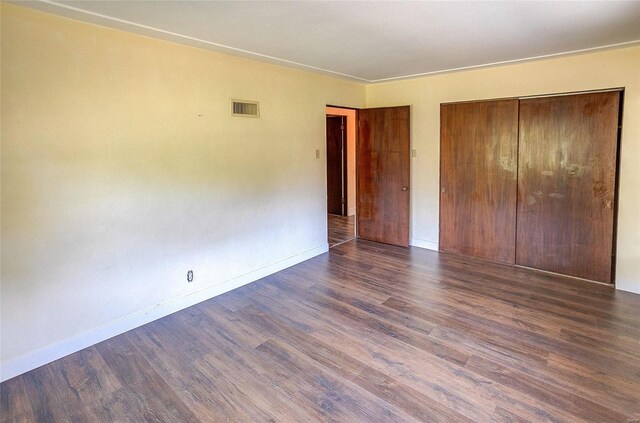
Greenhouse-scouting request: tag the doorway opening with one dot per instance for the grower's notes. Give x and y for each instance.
(341, 175)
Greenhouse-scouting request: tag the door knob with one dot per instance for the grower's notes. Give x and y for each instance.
(607, 204)
(404, 188)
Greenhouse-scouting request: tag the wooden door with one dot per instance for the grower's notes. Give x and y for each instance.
(478, 178)
(567, 184)
(336, 163)
(382, 164)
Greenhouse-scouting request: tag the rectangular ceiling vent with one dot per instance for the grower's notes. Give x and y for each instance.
(245, 108)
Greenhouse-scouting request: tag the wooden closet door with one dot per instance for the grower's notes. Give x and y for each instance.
(566, 184)
(478, 154)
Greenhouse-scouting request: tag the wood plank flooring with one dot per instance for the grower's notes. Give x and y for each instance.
(364, 333)
(341, 229)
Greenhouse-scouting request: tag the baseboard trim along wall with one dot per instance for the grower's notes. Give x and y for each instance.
(421, 243)
(42, 356)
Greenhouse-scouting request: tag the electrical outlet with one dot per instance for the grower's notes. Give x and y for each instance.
(190, 276)
(317, 153)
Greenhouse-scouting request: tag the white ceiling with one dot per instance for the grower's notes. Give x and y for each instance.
(372, 41)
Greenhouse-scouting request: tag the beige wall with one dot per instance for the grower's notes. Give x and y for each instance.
(122, 168)
(351, 155)
(606, 69)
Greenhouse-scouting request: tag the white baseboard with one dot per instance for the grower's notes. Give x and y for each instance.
(42, 356)
(421, 243)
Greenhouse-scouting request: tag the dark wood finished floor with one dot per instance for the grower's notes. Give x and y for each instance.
(364, 333)
(341, 229)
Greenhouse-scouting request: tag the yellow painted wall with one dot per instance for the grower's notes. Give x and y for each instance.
(122, 168)
(605, 69)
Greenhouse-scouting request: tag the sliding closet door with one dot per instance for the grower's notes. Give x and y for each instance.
(478, 166)
(566, 184)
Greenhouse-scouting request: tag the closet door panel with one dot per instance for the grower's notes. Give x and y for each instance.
(478, 167)
(566, 184)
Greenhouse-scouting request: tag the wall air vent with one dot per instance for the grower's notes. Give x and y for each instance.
(245, 108)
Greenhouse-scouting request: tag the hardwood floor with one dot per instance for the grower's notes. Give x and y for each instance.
(341, 229)
(365, 333)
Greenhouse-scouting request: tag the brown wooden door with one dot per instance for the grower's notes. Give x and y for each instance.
(566, 184)
(478, 178)
(382, 164)
(336, 163)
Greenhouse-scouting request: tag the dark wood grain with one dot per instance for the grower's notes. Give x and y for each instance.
(365, 333)
(14, 401)
(382, 173)
(148, 393)
(478, 169)
(566, 184)
(336, 165)
(565, 400)
(341, 229)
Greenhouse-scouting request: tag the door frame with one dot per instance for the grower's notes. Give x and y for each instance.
(355, 170)
(357, 163)
(345, 169)
(344, 164)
